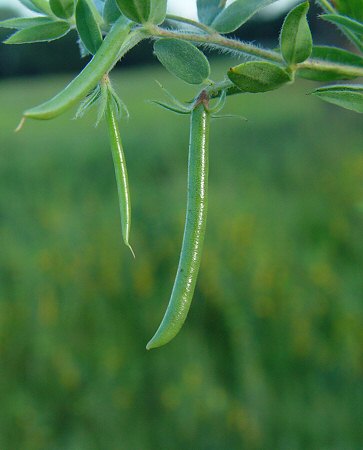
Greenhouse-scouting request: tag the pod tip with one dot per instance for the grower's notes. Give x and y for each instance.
(158, 340)
(153, 343)
(21, 124)
(131, 249)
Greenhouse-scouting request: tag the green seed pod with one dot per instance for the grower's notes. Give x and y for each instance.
(120, 168)
(194, 231)
(107, 56)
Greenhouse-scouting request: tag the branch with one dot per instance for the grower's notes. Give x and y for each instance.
(217, 41)
(221, 42)
(191, 22)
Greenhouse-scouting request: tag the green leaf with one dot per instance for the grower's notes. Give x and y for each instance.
(40, 33)
(30, 5)
(64, 9)
(170, 107)
(183, 60)
(111, 11)
(351, 8)
(237, 13)
(43, 6)
(355, 37)
(158, 11)
(330, 55)
(347, 22)
(295, 40)
(258, 76)
(346, 96)
(208, 10)
(87, 27)
(136, 10)
(38, 6)
(19, 23)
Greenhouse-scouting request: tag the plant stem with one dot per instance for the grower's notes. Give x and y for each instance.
(344, 70)
(201, 26)
(218, 41)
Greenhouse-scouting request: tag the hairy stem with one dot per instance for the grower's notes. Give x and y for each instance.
(195, 24)
(218, 41)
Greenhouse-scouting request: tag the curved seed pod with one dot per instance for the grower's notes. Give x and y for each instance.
(116, 44)
(120, 169)
(196, 217)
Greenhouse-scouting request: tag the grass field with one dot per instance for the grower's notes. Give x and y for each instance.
(271, 355)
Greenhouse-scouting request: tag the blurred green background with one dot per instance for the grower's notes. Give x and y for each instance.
(270, 357)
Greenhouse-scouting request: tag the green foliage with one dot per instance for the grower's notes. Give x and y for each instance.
(350, 27)
(141, 11)
(136, 10)
(177, 50)
(181, 57)
(39, 6)
(64, 9)
(346, 22)
(332, 56)
(351, 8)
(88, 29)
(19, 23)
(44, 32)
(346, 96)
(295, 40)
(183, 60)
(237, 13)
(30, 5)
(258, 76)
(270, 357)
